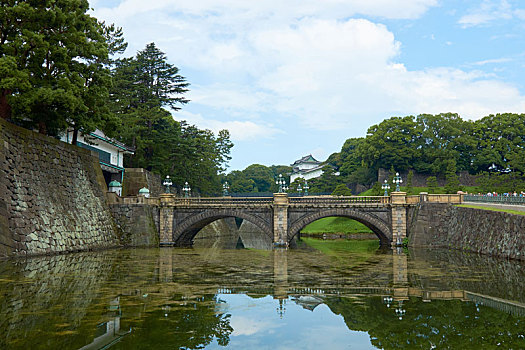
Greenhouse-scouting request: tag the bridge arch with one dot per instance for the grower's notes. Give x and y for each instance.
(377, 225)
(187, 229)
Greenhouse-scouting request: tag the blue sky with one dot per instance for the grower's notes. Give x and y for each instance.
(295, 77)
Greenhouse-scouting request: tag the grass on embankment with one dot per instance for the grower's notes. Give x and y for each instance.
(335, 225)
(475, 206)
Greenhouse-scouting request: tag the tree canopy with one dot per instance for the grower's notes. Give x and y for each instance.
(143, 87)
(52, 72)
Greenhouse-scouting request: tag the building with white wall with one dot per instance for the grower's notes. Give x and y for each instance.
(110, 152)
(307, 167)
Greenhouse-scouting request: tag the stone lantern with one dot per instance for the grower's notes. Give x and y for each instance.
(144, 192)
(115, 186)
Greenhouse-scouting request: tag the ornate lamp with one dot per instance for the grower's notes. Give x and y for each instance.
(167, 183)
(385, 187)
(186, 189)
(397, 181)
(282, 184)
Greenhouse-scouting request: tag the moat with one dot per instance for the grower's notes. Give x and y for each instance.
(262, 299)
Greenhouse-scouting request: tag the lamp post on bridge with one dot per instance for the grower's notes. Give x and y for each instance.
(225, 188)
(300, 190)
(282, 184)
(186, 189)
(397, 180)
(306, 188)
(167, 183)
(385, 187)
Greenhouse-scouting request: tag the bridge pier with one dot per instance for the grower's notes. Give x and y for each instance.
(280, 219)
(399, 217)
(166, 219)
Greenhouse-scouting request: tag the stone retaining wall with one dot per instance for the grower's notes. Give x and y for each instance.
(137, 178)
(139, 223)
(51, 196)
(482, 231)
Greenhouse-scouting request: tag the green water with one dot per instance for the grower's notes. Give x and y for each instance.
(206, 298)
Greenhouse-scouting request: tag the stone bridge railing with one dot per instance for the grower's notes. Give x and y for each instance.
(308, 200)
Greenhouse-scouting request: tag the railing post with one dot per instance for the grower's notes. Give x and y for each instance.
(280, 219)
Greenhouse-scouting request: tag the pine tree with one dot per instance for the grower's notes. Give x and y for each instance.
(452, 185)
(432, 184)
(52, 72)
(410, 177)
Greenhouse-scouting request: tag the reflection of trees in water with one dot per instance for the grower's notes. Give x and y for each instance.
(451, 324)
(181, 324)
(57, 302)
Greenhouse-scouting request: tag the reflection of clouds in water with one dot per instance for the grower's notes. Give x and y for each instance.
(258, 325)
(247, 326)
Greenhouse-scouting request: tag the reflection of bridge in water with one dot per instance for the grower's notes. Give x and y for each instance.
(397, 287)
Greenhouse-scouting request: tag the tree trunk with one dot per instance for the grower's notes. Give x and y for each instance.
(42, 128)
(75, 136)
(5, 108)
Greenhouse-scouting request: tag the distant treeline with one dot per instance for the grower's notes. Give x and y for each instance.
(434, 145)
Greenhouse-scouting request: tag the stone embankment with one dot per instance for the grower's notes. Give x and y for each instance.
(51, 196)
(487, 232)
(138, 221)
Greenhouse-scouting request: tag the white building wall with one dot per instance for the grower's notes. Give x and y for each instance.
(307, 176)
(117, 157)
(306, 166)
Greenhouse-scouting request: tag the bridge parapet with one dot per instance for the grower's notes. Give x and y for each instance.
(215, 202)
(342, 200)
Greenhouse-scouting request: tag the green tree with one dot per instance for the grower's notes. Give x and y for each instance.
(410, 177)
(452, 179)
(342, 190)
(52, 72)
(500, 142)
(144, 86)
(262, 176)
(432, 184)
(392, 143)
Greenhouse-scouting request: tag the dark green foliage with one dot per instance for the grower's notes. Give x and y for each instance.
(452, 185)
(430, 144)
(432, 184)
(52, 66)
(410, 177)
(501, 182)
(326, 183)
(143, 86)
(342, 190)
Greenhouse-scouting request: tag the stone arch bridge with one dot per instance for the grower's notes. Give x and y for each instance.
(282, 217)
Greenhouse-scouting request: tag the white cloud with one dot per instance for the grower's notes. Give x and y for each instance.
(490, 11)
(492, 61)
(305, 62)
(239, 130)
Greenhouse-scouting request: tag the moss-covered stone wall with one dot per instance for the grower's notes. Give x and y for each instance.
(482, 231)
(137, 178)
(139, 223)
(52, 196)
